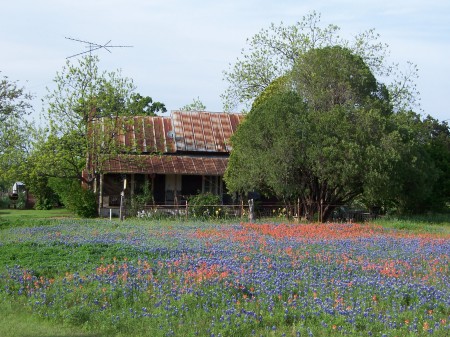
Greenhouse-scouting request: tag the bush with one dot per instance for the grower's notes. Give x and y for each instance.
(137, 203)
(43, 204)
(4, 201)
(21, 202)
(77, 199)
(205, 205)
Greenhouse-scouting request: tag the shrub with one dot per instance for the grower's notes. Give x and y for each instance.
(205, 205)
(77, 199)
(21, 202)
(138, 202)
(4, 201)
(43, 204)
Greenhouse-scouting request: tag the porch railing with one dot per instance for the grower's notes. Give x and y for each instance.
(240, 211)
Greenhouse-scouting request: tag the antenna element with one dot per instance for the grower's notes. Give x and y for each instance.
(94, 46)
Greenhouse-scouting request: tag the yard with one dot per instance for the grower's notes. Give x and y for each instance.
(73, 277)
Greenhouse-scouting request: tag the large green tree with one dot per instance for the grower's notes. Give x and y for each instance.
(86, 110)
(424, 184)
(82, 97)
(15, 130)
(325, 134)
(285, 149)
(439, 150)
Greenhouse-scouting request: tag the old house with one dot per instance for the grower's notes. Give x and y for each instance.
(172, 157)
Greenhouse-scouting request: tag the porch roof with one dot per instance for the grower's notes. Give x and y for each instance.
(166, 164)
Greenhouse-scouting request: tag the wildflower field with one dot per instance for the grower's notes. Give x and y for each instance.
(229, 280)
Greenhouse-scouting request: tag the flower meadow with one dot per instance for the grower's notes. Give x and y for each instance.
(231, 279)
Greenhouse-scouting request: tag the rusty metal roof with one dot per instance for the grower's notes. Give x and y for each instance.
(140, 134)
(183, 131)
(204, 131)
(166, 164)
(187, 142)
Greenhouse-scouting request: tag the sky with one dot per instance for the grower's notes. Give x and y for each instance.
(180, 48)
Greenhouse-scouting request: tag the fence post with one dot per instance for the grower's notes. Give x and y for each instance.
(122, 205)
(187, 210)
(251, 215)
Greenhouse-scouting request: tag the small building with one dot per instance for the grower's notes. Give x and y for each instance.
(172, 157)
(19, 196)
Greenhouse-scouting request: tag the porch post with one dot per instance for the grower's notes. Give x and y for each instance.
(132, 187)
(152, 188)
(220, 183)
(100, 196)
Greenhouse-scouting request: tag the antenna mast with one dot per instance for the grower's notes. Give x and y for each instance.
(93, 46)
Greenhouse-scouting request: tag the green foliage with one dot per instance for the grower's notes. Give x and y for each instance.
(74, 197)
(138, 201)
(417, 183)
(83, 93)
(44, 204)
(14, 101)
(15, 138)
(21, 201)
(61, 258)
(327, 133)
(438, 150)
(84, 111)
(205, 205)
(324, 143)
(332, 76)
(139, 106)
(264, 147)
(281, 84)
(196, 105)
(273, 52)
(4, 201)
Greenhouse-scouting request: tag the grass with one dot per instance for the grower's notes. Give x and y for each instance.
(15, 214)
(181, 274)
(31, 217)
(428, 223)
(18, 321)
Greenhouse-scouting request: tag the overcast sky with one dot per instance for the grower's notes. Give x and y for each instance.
(181, 47)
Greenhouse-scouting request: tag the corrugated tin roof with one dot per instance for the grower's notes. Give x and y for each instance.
(185, 131)
(166, 164)
(204, 131)
(141, 134)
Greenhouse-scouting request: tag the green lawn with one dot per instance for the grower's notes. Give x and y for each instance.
(31, 217)
(17, 321)
(434, 223)
(35, 214)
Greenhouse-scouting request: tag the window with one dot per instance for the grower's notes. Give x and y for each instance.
(212, 184)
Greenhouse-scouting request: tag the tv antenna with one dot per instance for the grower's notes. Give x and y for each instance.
(93, 46)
